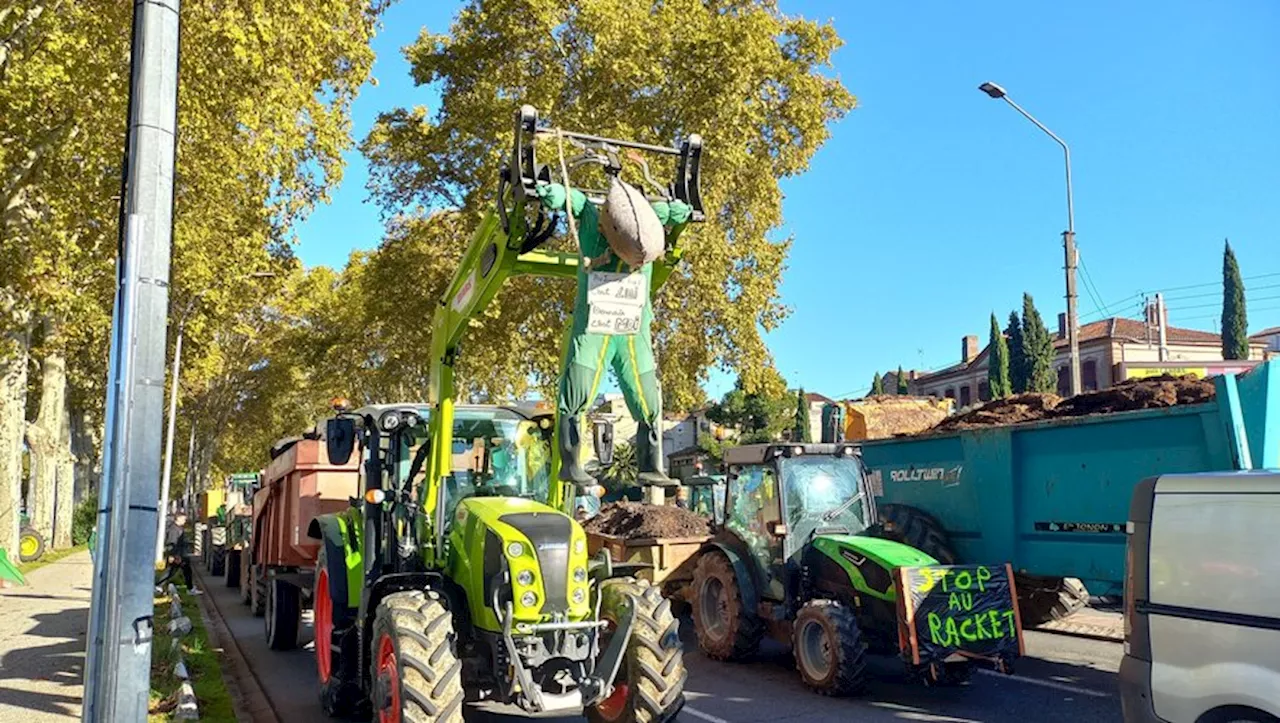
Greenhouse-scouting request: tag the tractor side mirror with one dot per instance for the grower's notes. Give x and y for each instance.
(339, 439)
(602, 440)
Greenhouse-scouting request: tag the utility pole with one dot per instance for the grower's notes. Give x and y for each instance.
(118, 669)
(1068, 237)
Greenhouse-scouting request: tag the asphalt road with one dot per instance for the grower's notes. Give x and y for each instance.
(1062, 678)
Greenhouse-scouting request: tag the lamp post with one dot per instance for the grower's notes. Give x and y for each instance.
(1068, 237)
(173, 413)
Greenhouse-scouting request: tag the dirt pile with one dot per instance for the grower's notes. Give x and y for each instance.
(638, 521)
(1127, 396)
(1018, 408)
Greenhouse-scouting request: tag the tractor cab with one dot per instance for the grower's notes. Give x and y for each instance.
(706, 496)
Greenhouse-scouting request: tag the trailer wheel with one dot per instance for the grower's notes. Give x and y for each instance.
(650, 684)
(1045, 599)
(416, 673)
(246, 578)
(30, 545)
(726, 629)
(828, 648)
(231, 567)
(217, 561)
(282, 615)
(917, 528)
(259, 602)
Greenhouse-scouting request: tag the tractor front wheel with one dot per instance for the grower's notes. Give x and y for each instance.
(30, 545)
(726, 629)
(649, 687)
(417, 677)
(828, 648)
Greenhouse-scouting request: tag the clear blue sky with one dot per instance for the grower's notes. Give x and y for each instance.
(932, 205)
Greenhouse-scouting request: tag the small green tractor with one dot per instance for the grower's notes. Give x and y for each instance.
(798, 557)
(459, 573)
(30, 541)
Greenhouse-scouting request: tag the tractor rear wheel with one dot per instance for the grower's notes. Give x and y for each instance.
(283, 613)
(828, 648)
(417, 677)
(649, 687)
(726, 629)
(30, 545)
(917, 528)
(1046, 599)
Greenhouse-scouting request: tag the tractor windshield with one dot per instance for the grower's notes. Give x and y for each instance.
(497, 453)
(823, 491)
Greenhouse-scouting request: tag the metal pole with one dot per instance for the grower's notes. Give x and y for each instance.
(168, 443)
(1164, 339)
(118, 669)
(1069, 250)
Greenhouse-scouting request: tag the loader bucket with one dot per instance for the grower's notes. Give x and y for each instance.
(8, 571)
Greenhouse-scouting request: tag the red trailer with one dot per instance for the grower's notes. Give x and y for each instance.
(298, 485)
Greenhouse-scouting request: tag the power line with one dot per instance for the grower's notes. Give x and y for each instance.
(1090, 287)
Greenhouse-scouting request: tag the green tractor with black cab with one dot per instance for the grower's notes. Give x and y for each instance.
(460, 574)
(797, 557)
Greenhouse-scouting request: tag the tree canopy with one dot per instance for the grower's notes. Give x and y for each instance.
(759, 416)
(877, 385)
(1235, 321)
(998, 362)
(1017, 354)
(1037, 348)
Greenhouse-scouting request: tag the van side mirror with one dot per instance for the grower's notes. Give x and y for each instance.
(339, 439)
(602, 440)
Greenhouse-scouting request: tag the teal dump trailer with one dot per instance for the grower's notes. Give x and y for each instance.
(1052, 496)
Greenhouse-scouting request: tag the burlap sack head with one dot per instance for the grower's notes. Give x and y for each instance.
(630, 225)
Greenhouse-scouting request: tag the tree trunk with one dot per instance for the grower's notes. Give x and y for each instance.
(64, 509)
(44, 436)
(85, 453)
(14, 348)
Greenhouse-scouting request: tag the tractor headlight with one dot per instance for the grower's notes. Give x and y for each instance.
(579, 546)
(528, 599)
(515, 549)
(579, 595)
(525, 578)
(389, 421)
(580, 574)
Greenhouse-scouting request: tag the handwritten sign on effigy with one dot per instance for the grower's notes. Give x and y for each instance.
(966, 609)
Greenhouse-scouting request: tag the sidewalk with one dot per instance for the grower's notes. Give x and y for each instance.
(42, 642)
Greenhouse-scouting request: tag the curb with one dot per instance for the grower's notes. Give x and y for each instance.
(251, 701)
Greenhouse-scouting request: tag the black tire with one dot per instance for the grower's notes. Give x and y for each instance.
(652, 671)
(246, 577)
(30, 545)
(947, 675)
(283, 613)
(231, 566)
(413, 662)
(258, 600)
(340, 693)
(1046, 599)
(732, 633)
(217, 561)
(917, 528)
(828, 648)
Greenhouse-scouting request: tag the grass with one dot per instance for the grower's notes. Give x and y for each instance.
(203, 665)
(48, 557)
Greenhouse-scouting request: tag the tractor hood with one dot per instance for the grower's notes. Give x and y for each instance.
(870, 561)
(524, 552)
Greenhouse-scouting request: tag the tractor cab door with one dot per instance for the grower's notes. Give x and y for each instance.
(755, 516)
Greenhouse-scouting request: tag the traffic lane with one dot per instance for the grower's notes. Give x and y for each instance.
(1061, 679)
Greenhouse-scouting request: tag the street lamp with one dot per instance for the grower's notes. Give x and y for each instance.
(1068, 236)
(173, 411)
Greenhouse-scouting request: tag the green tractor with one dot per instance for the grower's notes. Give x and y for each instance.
(797, 557)
(30, 541)
(706, 493)
(460, 574)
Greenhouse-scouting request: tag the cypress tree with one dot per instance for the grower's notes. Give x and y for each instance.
(1037, 349)
(902, 381)
(1235, 323)
(877, 384)
(998, 362)
(800, 432)
(1017, 355)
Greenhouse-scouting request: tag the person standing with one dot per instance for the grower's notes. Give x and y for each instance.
(176, 554)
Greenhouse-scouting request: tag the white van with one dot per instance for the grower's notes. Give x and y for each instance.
(1202, 612)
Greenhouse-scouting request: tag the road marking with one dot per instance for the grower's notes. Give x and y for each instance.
(1049, 684)
(704, 716)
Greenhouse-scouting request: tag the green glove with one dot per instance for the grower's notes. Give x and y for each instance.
(552, 197)
(672, 213)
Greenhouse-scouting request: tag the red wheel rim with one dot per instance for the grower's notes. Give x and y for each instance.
(389, 671)
(324, 627)
(611, 708)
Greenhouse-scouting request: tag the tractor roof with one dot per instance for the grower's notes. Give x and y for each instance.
(761, 453)
(422, 409)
